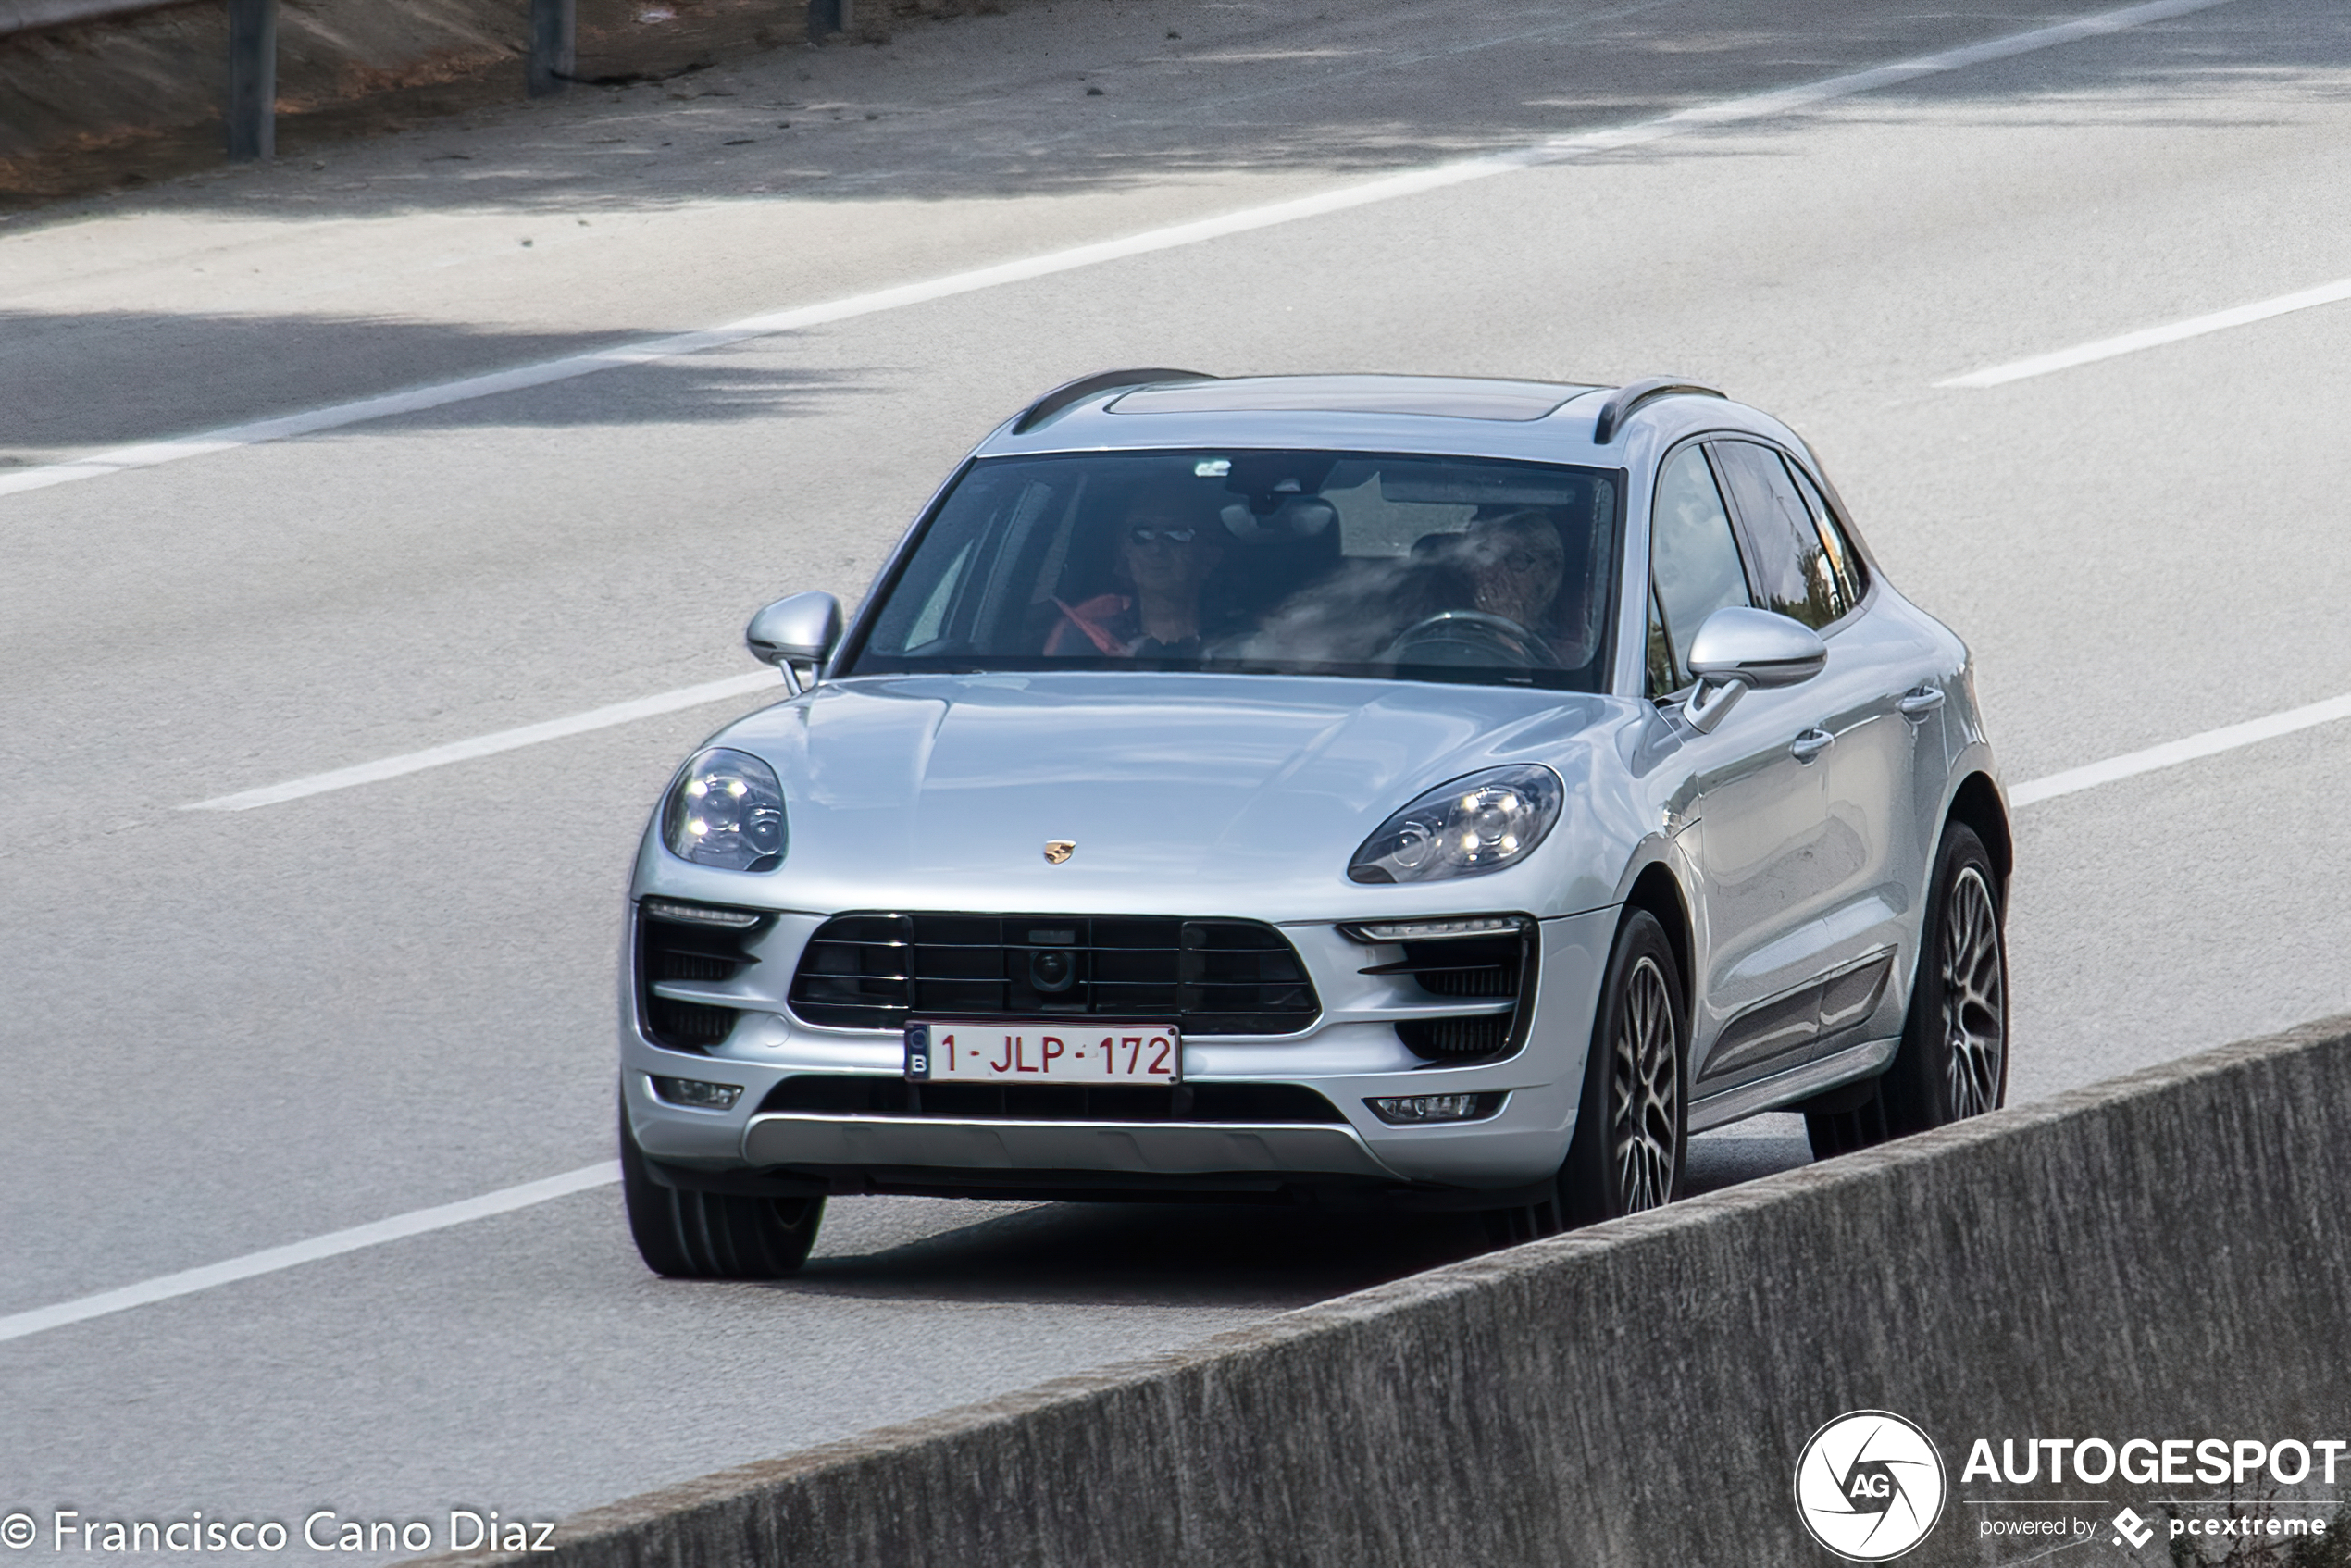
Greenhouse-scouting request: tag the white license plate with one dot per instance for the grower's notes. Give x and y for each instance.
(1013, 1052)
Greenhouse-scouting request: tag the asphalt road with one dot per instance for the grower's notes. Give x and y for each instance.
(226, 1032)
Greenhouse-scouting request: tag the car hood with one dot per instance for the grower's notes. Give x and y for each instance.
(1180, 792)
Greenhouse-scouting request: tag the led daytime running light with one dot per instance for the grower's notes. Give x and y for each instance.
(702, 915)
(1436, 931)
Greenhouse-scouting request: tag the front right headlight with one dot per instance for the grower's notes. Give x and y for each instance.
(726, 810)
(1481, 823)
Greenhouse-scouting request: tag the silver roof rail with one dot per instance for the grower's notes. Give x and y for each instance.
(1078, 391)
(1627, 400)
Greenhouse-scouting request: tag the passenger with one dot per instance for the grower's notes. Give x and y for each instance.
(1168, 543)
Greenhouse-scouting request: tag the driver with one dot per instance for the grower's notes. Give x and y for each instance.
(1514, 563)
(1168, 543)
(1507, 566)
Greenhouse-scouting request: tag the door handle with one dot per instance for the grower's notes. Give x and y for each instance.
(1810, 744)
(1919, 702)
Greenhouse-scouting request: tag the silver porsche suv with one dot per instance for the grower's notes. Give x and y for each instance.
(1391, 789)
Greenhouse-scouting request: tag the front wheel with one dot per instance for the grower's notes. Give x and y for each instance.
(1953, 1062)
(712, 1234)
(1633, 1128)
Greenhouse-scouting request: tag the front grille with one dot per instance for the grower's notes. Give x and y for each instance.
(846, 1093)
(1487, 968)
(680, 943)
(1205, 977)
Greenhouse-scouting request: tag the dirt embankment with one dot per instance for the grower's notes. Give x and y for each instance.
(109, 105)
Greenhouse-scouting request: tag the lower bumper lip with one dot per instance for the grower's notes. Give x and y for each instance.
(1142, 1147)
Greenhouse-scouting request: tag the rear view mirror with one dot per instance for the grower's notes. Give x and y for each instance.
(1739, 647)
(803, 630)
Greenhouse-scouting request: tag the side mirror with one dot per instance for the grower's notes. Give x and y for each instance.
(1739, 647)
(803, 630)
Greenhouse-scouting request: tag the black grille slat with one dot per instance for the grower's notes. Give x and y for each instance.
(1206, 977)
(689, 1025)
(1457, 1037)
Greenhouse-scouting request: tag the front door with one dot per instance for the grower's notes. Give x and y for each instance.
(1757, 819)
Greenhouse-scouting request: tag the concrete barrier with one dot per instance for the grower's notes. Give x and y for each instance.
(2165, 1255)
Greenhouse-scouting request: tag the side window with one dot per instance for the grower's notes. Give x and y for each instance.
(930, 622)
(1694, 561)
(1841, 552)
(1793, 572)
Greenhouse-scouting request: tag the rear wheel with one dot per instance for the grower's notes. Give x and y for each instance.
(1954, 1057)
(712, 1234)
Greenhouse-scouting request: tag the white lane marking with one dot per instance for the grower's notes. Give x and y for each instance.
(1553, 150)
(271, 1260)
(2171, 754)
(2154, 337)
(500, 741)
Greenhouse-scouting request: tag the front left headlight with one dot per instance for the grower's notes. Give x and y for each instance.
(726, 810)
(1481, 823)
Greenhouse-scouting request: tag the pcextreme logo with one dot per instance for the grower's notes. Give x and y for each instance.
(1869, 1486)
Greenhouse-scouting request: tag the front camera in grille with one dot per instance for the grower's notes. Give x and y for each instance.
(680, 948)
(1205, 977)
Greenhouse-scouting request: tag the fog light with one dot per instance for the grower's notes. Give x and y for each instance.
(700, 1096)
(1411, 1108)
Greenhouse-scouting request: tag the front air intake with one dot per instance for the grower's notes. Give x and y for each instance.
(1487, 967)
(685, 950)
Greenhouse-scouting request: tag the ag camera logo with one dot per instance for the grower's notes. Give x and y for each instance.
(1870, 1485)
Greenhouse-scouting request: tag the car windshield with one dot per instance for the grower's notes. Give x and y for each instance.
(1286, 563)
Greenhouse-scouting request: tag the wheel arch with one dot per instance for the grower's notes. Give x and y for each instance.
(1656, 891)
(1977, 803)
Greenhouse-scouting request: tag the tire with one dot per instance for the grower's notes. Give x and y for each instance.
(712, 1234)
(1953, 1060)
(1632, 1131)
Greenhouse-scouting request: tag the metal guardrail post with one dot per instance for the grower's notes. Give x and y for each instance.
(553, 45)
(253, 79)
(827, 18)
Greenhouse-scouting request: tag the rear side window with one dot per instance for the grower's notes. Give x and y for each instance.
(1847, 559)
(1793, 572)
(1693, 562)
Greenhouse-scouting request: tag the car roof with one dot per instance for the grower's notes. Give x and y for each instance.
(1462, 415)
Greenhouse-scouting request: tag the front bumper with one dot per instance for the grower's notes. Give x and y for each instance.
(1350, 1055)
(1123, 1149)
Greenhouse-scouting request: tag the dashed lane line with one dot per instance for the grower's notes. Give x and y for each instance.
(2154, 337)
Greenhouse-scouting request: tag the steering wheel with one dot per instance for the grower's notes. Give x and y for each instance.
(1467, 637)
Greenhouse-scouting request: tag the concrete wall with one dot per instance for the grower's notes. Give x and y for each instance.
(126, 101)
(2162, 1255)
